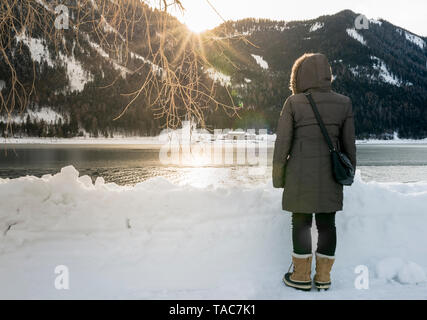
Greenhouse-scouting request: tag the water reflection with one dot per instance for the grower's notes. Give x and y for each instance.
(131, 164)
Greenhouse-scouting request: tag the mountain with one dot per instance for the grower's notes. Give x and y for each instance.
(382, 68)
(85, 78)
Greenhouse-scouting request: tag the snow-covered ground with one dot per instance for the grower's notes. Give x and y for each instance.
(164, 137)
(395, 140)
(149, 141)
(160, 240)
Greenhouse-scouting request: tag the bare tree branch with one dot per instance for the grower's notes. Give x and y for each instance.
(174, 84)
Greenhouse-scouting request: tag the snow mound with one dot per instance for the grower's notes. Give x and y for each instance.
(160, 240)
(399, 270)
(411, 273)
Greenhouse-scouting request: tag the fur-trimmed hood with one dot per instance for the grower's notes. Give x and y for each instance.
(312, 70)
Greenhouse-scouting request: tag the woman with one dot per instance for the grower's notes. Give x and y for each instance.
(302, 166)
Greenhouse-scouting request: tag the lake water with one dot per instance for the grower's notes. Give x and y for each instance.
(130, 164)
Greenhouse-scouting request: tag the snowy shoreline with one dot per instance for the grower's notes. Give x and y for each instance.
(159, 240)
(149, 141)
(391, 142)
(157, 142)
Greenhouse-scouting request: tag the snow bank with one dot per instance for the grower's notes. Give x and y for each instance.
(396, 269)
(160, 240)
(117, 140)
(395, 140)
(151, 141)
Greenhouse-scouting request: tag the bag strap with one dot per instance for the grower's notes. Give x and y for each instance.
(320, 121)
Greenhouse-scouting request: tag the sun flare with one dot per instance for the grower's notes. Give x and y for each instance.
(198, 16)
(195, 23)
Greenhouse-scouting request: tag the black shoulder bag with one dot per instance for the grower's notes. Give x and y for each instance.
(341, 165)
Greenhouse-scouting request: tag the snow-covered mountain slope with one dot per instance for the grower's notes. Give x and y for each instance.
(202, 243)
(412, 38)
(260, 61)
(382, 68)
(352, 32)
(77, 74)
(46, 114)
(399, 50)
(71, 77)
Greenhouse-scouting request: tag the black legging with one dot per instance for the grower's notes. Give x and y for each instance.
(301, 233)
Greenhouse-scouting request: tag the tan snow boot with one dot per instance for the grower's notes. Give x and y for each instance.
(322, 279)
(300, 278)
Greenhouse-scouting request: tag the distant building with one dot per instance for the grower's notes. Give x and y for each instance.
(240, 135)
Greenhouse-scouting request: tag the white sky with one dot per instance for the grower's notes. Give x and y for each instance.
(410, 14)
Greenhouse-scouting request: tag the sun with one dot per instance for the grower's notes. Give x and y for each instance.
(198, 16)
(195, 23)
